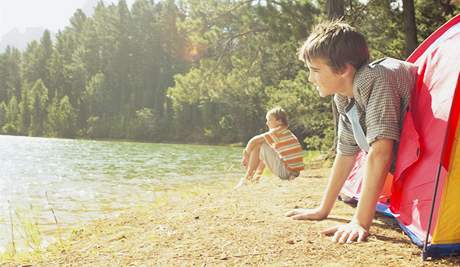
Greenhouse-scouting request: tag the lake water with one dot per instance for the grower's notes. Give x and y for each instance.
(80, 180)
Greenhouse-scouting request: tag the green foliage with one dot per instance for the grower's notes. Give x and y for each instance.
(95, 98)
(10, 82)
(382, 24)
(53, 118)
(27, 219)
(62, 118)
(3, 113)
(38, 106)
(188, 70)
(10, 125)
(97, 127)
(430, 15)
(24, 112)
(145, 126)
(249, 47)
(309, 115)
(66, 118)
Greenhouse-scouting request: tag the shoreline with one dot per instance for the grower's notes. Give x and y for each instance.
(214, 225)
(83, 182)
(121, 140)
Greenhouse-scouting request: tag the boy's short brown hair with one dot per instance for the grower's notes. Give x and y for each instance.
(279, 114)
(336, 42)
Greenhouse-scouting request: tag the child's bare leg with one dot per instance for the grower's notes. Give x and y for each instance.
(259, 171)
(253, 163)
(251, 166)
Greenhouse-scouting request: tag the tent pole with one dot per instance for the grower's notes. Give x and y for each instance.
(424, 256)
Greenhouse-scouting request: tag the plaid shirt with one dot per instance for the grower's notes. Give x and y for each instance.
(381, 92)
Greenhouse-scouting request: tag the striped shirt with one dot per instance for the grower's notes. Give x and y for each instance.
(286, 145)
(381, 93)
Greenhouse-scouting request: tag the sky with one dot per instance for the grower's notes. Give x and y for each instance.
(49, 14)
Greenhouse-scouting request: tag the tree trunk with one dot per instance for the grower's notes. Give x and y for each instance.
(335, 9)
(410, 28)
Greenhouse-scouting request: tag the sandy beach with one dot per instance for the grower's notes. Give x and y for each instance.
(212, 225)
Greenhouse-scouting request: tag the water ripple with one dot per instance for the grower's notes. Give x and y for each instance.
(85, 179)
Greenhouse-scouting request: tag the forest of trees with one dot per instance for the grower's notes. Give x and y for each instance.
(190, 70)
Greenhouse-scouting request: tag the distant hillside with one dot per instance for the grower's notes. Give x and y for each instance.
(20, 39)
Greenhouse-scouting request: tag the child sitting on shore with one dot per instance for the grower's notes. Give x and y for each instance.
(278, 149)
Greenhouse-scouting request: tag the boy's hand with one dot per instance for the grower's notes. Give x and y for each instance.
(347, 233)
(306, 214)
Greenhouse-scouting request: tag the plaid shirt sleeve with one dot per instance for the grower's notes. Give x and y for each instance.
(346, 144)
(383, 108)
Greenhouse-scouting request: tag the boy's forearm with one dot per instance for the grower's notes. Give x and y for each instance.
(340, 170)
(376, 169)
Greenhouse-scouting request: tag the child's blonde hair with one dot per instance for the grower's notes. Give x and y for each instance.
(279, 114)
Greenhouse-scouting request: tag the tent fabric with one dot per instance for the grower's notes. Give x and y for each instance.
(426, 145)
(439, 251)
(430, 109)
(447, 229)
(352, 186)
(446, 31)
(414, 188)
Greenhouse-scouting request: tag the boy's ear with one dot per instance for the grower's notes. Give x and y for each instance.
(347, 70)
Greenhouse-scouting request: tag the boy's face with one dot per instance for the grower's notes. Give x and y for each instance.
(272, 122)
(326, 80)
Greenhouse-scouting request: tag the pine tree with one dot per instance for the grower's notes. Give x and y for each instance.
(39, 101)
(24, 112)
(67, 119)
(3, 115)
(53, 120)
(44, 61)
(12, 112)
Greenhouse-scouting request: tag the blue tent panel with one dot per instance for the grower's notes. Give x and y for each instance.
(440, 251)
